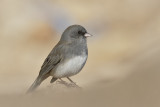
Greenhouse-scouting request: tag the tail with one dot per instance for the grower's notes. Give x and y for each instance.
(36, 83)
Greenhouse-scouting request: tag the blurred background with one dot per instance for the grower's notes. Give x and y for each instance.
(124, 54)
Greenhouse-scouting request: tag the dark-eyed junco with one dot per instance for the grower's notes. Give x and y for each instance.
(67, 58)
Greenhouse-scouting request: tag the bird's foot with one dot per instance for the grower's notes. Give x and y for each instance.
(68, 85)
(62, 82)
(73, 84)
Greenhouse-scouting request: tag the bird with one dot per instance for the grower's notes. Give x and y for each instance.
(67, 58)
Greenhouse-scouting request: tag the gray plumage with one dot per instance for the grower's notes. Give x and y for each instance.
(67, 58)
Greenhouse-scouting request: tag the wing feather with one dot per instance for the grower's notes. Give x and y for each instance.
(51, 61)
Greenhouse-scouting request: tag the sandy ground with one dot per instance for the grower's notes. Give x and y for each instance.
(139, 88)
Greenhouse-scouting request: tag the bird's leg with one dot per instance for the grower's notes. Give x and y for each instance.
(70, 80)
(62, 81)
(73, 82)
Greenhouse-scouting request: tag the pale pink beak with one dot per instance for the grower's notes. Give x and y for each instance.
(87, 35)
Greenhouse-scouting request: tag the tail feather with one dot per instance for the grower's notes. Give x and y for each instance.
(35, 84)
(53, 80)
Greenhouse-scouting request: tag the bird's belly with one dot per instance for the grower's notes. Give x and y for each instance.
(69, 67)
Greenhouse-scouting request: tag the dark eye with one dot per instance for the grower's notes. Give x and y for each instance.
(79, 32)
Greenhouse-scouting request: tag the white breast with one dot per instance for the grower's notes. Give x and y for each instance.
(70, 67)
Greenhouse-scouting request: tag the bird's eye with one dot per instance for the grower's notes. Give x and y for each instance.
(79, 32)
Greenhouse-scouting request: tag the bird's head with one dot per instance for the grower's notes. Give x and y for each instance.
(75, 33)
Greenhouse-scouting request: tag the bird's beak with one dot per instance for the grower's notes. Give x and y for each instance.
(87, 35)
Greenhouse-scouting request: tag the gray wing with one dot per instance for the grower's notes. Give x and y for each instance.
(51, 61)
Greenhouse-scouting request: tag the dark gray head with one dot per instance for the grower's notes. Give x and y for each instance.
(75, 33)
